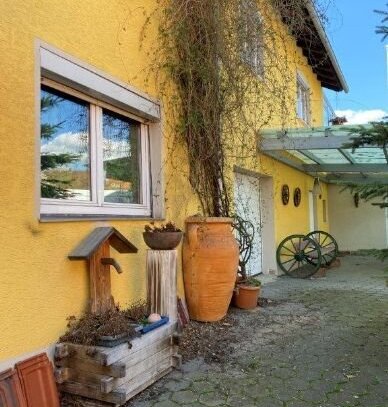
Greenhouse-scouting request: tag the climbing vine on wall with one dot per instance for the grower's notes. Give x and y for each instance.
(224, 71)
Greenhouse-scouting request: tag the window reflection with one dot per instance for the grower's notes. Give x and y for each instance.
(64, 152)
(121, 137)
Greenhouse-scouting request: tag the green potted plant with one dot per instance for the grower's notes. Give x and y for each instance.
(247, 293)
(164, 237)
(247, 288)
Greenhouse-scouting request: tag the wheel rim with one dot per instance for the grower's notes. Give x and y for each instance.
(298, 256)
(326, 242)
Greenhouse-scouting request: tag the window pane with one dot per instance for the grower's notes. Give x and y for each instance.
(64, 150)
(121, 138)
(251, 33)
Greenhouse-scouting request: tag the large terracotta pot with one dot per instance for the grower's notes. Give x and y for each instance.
(210, 261)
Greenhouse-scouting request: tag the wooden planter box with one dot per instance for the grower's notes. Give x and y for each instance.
(115, 375)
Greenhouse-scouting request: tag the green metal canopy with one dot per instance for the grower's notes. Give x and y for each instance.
(320, 152)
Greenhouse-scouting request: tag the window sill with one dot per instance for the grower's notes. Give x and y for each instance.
(51, 218)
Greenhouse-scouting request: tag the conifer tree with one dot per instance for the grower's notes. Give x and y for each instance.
(383, 29)
(52, 187)
(374, 135)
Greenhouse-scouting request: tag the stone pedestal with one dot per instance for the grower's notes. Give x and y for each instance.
(161, 282)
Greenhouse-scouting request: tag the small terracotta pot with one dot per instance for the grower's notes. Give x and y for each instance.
(246, 296)
(162, 240)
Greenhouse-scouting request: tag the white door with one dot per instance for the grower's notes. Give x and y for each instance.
(248, 207)
(312, 211)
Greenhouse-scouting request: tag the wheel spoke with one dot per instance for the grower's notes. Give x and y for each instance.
(329, 244)
(284, 247)
(292, 265)
(331, 257)
(306, 262)
(285, 262)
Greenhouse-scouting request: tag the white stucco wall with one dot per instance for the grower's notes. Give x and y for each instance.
(354, 228)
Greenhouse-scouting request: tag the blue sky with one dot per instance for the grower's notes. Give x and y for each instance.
(361, 55)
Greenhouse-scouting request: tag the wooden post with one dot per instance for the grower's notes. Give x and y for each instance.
(101, 299)
(161, 282)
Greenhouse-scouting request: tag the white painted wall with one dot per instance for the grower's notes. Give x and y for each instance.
(354, 228)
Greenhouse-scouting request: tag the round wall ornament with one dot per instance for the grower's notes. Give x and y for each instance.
(297, 196)
(285, 194)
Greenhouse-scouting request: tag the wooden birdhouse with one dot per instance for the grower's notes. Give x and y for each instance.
(95, 249)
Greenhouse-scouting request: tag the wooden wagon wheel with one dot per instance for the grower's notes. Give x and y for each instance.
(327, 245)
(298, 256)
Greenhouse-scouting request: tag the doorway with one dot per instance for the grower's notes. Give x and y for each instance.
(248, 207)
(313, 221)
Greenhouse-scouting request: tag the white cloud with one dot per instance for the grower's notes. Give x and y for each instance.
(71, 143)
(77, 143)
(361, 116)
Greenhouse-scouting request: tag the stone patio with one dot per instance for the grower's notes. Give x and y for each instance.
(324, 344)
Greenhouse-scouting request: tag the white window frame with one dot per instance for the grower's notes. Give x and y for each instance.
(66, 74)
(303, 104)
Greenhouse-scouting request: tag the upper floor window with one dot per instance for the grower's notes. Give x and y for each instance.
(93, 157)
(303, 99)
(252, 45)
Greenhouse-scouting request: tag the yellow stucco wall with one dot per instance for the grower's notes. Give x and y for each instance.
(39, 286)
(288, 218)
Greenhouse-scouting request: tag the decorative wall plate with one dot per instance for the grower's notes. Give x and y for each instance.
(297, 196)
(285, 194)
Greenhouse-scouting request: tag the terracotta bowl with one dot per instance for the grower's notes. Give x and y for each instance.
(162, 240)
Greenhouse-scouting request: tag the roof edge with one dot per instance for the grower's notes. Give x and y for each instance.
(326, 43)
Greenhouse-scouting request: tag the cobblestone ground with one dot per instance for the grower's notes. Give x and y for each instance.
(324, 344)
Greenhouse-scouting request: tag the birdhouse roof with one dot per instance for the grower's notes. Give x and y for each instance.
(96, 238)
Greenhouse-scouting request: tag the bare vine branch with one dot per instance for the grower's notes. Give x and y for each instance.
(225, 70)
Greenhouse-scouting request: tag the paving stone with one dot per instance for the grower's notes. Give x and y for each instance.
(184, 396)
(322, 345)
(269, 402)
(176, 385)
(165, 403)
(164, 395)
(212, 399)
(300, 403)
(202, 387)
(239, 400)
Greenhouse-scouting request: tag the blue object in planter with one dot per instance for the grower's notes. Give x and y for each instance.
(154, 325)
